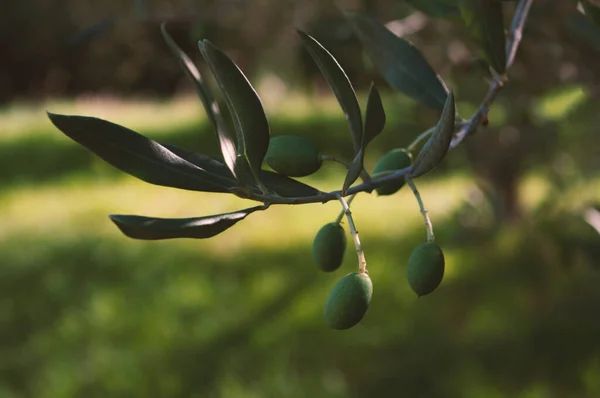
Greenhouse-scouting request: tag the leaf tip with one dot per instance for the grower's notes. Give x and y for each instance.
(54, 117)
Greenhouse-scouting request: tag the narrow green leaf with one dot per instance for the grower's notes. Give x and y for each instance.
(139, 156)
(374, 117)
(287, 187)
(592, 11)
(211, 107)
(584, 29)
(484, 20)
(374, 124)
(353, 171)
(205, 162)
(249, 119)
(437, 8)
(399, 62)
(339, 84)
(436, 147)
(151, 228)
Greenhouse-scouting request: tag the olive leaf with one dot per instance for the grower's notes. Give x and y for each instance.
(436, 147)
(374, 124)
(139, 156)
(152, 228)
(592, 11)
(287, 187)
(211, 107)
(484, 20)
(249, 119)
(584, 29)
(399, 62)
(354, 171)
(339, 84)
(203, 161)
(374, 117)
(437, 8)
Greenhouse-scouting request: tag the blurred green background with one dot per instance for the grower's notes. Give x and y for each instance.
(87, 312)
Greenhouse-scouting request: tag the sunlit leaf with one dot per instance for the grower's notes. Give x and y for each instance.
(249, 119)
(205, 162)
(139, 156)
(436, 147)
(399, 62)
(484, 20)
(339, 83)
(211, 107)
(151, 228)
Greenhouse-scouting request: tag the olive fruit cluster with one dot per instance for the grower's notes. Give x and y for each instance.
(350, 297)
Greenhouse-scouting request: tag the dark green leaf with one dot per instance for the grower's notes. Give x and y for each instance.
(374, 124)
(210, 105)
(339, 83)
(436, 147)
(249, 119)
(437, 8)
(243, 171)
(205, 162)
(354, 171)
(584, 29)
(374, 117)
(485, 22)
(592, 11)
(399, 62)
(287, 187)
(150, 228)
(139, 156)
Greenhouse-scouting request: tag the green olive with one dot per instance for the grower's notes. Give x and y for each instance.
(425, 268)
(395, 159)
(293, 156)
(348, 301)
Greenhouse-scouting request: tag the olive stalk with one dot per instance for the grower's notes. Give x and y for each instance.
(424, 212)
(363, 174)
(362, 262)
(351, 198)
(420, 138)
(343, 212)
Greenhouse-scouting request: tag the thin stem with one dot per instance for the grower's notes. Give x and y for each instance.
(516, 30)
(424, 212)
(330, 158)
(341, 215)
(362, 262)
(514, 39)
(421, 137)
(363, 174)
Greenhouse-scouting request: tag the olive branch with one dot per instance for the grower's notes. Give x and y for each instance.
(240, 170)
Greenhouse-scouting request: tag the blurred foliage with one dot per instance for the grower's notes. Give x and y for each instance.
(86, 312)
